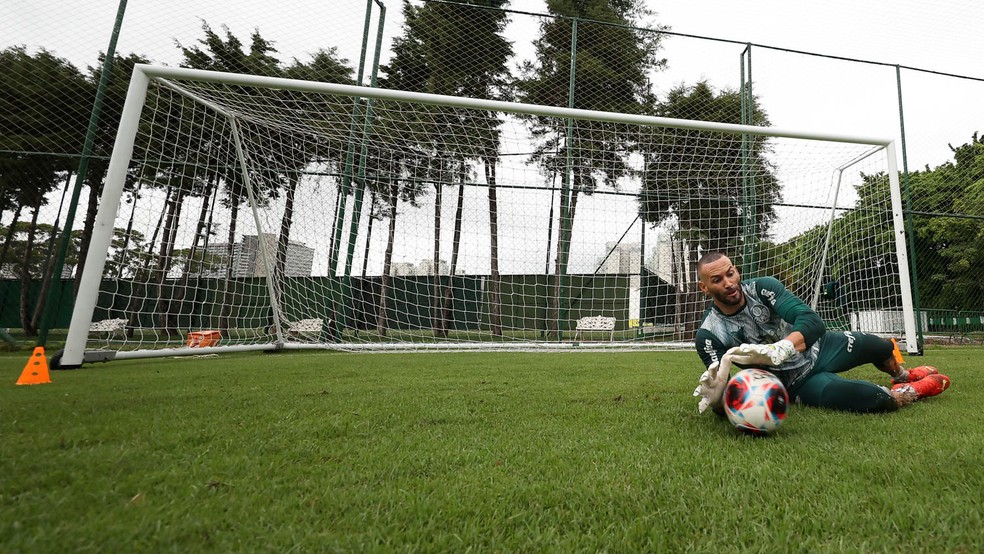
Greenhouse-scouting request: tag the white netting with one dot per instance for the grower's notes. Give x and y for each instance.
(339, 203)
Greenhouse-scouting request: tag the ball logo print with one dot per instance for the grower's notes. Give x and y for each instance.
(755, 402)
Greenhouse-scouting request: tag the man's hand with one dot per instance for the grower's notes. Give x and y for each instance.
(712, 384)
(762, 354)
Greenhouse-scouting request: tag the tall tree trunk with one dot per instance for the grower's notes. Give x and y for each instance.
(26, 322)
(692, 309)
(164, 258)
(446, 311)
(495, 306)
(142, 279)
(436, 307)
(49, 265)
(679, 265)
(228, 289)
(339, 204)
(46, 278)
(283, 241)
(564, 234)
(181, 293)
(362, 313)
(370, 225)
(127, 235)
(387, 263)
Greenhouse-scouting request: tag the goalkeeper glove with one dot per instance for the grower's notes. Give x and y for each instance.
(762, 354)
(712, 384)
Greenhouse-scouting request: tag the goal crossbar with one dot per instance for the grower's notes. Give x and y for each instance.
(130, 126)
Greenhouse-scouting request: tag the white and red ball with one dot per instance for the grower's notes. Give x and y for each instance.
(755, 401)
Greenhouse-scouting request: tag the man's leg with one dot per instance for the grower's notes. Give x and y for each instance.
(841, 351)
(829, 390)
(892, 365)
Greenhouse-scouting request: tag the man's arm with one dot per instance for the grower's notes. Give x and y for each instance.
(807, 327)
(709, 348)
(713, 381)
(798, 341)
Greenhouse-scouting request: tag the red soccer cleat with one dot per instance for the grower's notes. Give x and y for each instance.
(917, 374)
(930, 385)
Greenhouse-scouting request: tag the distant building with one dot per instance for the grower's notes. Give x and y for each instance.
(426, 267)
(624, 258)
(660, 261)
(421, 268)
(403, 269)
(247, 260)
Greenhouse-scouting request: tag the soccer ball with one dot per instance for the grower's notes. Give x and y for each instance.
(755, 402)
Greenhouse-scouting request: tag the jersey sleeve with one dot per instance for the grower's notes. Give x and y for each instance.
(792, 310)
(708, 347)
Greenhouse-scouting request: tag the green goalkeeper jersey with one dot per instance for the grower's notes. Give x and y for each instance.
(771, 312)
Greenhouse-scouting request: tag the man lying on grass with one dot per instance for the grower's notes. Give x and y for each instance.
(758, 323)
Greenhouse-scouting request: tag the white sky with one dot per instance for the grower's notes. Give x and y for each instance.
(798, 92)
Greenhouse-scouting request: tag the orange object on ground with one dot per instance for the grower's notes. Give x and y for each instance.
(201, 339)
(36, 370)
(896, 352)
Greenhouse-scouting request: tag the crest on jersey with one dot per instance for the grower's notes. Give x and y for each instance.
(760, 313)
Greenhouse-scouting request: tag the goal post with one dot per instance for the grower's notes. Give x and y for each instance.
(236, 217)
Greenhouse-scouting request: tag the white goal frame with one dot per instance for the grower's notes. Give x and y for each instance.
(75, 352)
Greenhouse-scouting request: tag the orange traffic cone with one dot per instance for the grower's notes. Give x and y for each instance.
(36, 370)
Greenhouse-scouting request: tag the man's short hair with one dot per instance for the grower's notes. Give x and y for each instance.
(707, 258)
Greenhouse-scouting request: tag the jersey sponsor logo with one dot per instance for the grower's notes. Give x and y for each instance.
(850, 341)
(769, 295)
(709, 350)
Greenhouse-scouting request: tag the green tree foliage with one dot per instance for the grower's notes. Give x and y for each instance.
(948, 239)
(42, 246)
(218, 53)
(716, 187)
(277, 155)
(44, 104)
(613, 65)
(102, 147)
(707, 202)
(452, 49)
(228, 54)
(948, 225)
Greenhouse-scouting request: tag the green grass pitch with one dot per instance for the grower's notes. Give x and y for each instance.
(489, 452)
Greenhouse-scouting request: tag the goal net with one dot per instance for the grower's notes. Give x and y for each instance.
(244, 212)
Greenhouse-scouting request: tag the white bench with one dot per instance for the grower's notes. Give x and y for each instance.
(110, 328)
(307, 328)
(596, 323)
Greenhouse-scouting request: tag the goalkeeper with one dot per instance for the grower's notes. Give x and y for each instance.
(758, 323)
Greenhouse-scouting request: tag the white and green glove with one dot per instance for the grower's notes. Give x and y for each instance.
(762, 354)
(712, 384)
